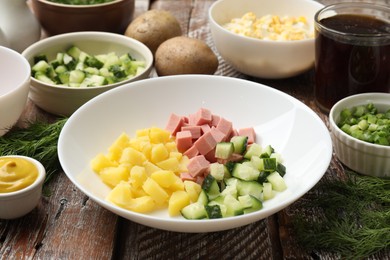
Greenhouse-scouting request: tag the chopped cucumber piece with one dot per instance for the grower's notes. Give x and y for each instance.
(253, 150)
(194, 211)
(245, 172)
(240, 143)
(217, 170)
(210, 186)
(224, 150)
(277, 181)
(213, 211)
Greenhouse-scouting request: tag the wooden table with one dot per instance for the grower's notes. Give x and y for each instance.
(68, 225)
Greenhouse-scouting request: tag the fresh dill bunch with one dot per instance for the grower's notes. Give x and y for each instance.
(355, 217)
(38, 140)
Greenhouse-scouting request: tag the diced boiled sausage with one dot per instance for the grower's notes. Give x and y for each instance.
(198, 165)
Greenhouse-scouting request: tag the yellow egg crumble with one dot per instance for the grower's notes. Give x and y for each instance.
(271, 27)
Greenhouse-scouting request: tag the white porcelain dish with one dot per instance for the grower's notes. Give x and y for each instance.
(263, 58)
(291, 127)
(62, 100)
(363, 157)
(14, 87)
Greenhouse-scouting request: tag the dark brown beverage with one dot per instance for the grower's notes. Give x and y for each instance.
(354, 60)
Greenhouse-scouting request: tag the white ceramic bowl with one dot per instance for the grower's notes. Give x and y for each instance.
(288, 125)
(14, 87)
(263, 58)
(18, 203)
(62, 100)
(358, 155)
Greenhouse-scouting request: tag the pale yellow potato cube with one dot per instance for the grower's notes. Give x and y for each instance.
(183, 164)
(142, 132)
(114, 175)
(164, 178)
(177, 185)
(158, 153)
(154, 190)
(151, 168)
(121, 194)
(100, 162)
(158, 135)
(171, 146)
(142, 204)
(115, 150)
(137, 176)
(133, 156)
(138, 192)
(177, 155)
(171, 164)
(193, 189)
(177, 201)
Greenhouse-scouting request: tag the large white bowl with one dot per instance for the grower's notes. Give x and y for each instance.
(62, 100)
(14, 87)
(263, 58)
(288, 125)
(360, 156)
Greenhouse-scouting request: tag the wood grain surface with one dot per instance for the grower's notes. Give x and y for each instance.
(68, 225)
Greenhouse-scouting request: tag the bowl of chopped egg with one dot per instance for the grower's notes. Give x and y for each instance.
(265, 39)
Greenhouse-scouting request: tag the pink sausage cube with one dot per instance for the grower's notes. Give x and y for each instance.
(183, 141)
(203, 116)
(225, 126)
(194, 129)
(250, 132)
(191, 152)
(174, 124)
(198, 165)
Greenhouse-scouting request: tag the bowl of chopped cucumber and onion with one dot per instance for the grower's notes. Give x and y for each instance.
(68, 70)
(360, 129)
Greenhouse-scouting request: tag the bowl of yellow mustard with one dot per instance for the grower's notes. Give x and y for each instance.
(21, 181)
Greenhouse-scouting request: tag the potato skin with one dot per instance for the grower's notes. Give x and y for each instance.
(154, 27)
(184, 55)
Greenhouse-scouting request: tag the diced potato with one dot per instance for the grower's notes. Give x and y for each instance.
(193, 189)
(177, 185)
(138, 192)
(133, 156)
(158, 153)
(183, 164)
(142, 204)
(115, 150)
(177, 155)
(112, 176)
(142, 132)
(171, 164)
(164, 178)
(158, 135)
(152, 188)
(151, 168)
(177, 201)
(100, 162)
(121, 194)
(137, 176)
(171, 146)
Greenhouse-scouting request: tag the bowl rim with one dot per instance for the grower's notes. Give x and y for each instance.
(256, 40)
(340, 104)
(35, 185)
(69, 6)
(147, 54)
(27, 66)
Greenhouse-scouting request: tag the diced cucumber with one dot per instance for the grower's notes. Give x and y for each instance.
(277, 181)
(194, 211)
(60, 69)
(257, 162)
(217, 170)
(240, 143)
(269, 164)
(230, 190)
(42, 77)
(76, 76)
(253, 150)
(213, 211)
(64, 77)
(267, 151)
(255, 203)
(41, 66)
(268, 193)
(203, 199)
(74, 52)
(233, 206)
(281, 169)
(252, 188)
(224, 150)
(245, 172)
(210, 186)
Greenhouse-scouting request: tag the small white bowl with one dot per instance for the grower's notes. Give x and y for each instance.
(263, 58)
(360, 156)
(62, 100)
(18, 203)
(14, 87)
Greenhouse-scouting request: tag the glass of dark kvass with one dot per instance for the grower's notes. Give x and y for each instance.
(352, 51)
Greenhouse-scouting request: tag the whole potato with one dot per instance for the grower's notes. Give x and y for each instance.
(184, 55)
(154, 27)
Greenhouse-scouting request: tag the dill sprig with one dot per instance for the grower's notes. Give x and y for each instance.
(355, 220)
(38, 140)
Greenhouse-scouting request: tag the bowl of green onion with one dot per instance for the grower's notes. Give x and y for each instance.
(360, 130)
